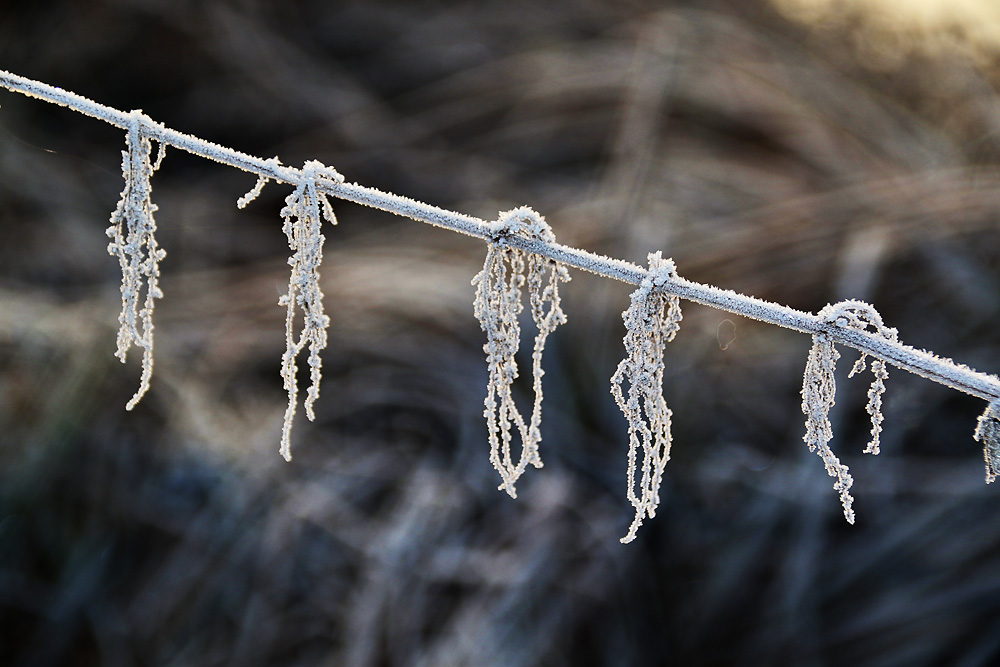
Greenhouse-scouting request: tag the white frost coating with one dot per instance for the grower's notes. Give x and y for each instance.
(497, 306)
(158, 132)
(132, 231)
(943, 371)
(304, 212)
(652, 320)
(988, 433)
(133, 241)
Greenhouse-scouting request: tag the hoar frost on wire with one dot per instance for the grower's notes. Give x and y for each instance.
(133, 242)
(132, 233)
(652, 321)
(819, 390)
(304, 211)
(497, 306)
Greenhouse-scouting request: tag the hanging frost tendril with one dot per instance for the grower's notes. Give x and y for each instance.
(859, 315)
(133, 242)
(988, 433)
(652, 321)
(304, 211)
(819, 390)
(497, 306)
(262, 180)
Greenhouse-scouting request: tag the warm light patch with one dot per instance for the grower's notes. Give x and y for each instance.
(904, 25)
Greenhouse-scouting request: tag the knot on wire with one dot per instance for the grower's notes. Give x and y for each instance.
(522, 221)
(859, 316)
(314, 169)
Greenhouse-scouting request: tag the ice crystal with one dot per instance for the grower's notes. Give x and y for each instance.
(652, 320)
(497, 305)
(133, 241)
(304, 211)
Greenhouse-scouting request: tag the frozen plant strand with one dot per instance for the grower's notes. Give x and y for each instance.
(988, 433)
(652, 321)
(262, 180)
(818, 394)
(133, 241)
(859, 316)
(819, 389)
(875, 392)
(304, 211)
(497, 306)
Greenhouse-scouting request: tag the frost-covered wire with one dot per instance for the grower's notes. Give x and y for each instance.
(497, 304)
(852, 323)
(925, 364)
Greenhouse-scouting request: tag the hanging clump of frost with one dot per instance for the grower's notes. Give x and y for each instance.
(304, 212)
(133, 242)
(497, 306)
(819, 389)
(652, 320)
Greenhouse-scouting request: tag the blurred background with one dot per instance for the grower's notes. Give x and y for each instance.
(803, 151)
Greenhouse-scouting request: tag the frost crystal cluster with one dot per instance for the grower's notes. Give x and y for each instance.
(497, 305)
(652, 321)
(819, 389)
(133, 242)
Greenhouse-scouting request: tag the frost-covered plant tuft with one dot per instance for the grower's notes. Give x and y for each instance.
(652, 321)
(133, 241)
(304, 211)
(988, 433)
(497, 306)
(819, 389)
